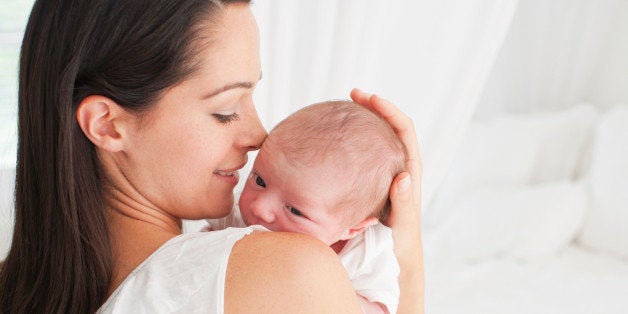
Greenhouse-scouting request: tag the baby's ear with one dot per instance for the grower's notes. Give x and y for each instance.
(103, 122)
(359, 228)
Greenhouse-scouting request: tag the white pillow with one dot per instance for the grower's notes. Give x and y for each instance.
(526, 222)
(522, 149)
(551, 214)
(516, 150)
(563, 138)
(606, 226)
(494, 153)
(479, 225)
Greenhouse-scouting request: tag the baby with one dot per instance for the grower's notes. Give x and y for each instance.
(326, 171)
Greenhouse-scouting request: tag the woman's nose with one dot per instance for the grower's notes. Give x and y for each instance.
(254, 132)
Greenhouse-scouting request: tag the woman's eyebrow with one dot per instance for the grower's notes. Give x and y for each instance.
(245, 85)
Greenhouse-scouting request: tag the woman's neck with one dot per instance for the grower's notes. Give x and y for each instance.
(137, 228)
(133, 240)
(122, 197)
(141, 211)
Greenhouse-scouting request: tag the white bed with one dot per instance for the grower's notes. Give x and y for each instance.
(572, 281)
(533, 217)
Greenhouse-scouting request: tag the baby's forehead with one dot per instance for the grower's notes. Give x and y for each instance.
(317, 183)
(333, 189)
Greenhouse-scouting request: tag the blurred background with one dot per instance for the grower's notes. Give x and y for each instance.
(521, 110)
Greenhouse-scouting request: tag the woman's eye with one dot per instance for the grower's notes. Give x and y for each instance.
(259, 181)
(295, 211)
(226, 118)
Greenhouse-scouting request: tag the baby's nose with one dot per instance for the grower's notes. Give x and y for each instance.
(263, 211)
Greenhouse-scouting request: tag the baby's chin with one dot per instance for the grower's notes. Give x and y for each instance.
(270, 228)
(247, 223)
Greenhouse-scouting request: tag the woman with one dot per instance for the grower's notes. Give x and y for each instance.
(134, 115)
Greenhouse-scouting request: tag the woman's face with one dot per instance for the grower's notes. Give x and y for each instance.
(184, 153)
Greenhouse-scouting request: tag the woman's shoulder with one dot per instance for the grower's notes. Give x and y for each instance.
(282, 248)
(286, 272)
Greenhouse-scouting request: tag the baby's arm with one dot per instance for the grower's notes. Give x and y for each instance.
(369, 307)
(373, 269)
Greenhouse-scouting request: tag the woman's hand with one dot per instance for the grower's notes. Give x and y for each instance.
(405, 196)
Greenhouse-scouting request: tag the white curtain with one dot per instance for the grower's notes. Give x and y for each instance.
(559, 53)
(432, 58)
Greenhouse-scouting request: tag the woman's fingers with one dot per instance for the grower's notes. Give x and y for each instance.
(361, 98)
(403, 127)
(405, 222)
(404, 216)
(401, 196)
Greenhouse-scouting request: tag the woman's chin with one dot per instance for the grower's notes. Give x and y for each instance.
(215, 209)
(223, 208)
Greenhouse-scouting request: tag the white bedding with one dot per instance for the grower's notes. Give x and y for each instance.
(575, 281)
(533, 217)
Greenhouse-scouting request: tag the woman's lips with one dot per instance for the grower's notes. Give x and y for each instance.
(231, 177)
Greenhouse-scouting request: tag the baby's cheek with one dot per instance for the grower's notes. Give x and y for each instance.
(244, 197)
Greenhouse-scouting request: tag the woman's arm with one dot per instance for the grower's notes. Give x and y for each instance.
(405, 195)
(276, 272)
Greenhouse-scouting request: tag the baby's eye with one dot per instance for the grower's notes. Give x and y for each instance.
(259, 181)
(295, 211)
(226, 118)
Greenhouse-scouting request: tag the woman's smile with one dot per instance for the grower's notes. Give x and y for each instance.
(231, 177)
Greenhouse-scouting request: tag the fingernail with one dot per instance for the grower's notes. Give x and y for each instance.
(404, 184)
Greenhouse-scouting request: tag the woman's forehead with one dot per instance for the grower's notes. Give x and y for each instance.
(229, 51)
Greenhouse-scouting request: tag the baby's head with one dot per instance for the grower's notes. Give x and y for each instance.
(325, 171)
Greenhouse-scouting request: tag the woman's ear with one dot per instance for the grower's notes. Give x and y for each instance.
(103, 121)
(359, 228)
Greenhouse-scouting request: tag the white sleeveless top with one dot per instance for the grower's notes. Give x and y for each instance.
(368, 258)
(185, 275)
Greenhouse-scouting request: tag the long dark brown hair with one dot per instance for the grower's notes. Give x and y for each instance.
(60, 259)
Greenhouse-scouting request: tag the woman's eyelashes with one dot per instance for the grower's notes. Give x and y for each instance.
(226, 118)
